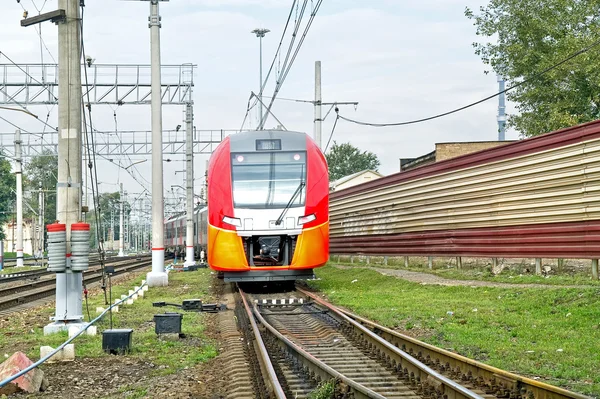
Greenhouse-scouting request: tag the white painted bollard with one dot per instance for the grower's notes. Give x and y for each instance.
(66, 354)
(129, 302)
(115, 309)
(145, 288)
(91, 331)
(73, 330)
(99, 309)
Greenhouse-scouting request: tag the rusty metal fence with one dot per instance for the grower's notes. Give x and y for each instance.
(533, 198)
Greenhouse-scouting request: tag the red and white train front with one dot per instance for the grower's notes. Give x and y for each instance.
(268, 215)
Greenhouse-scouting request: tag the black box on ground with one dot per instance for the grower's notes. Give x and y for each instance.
(168, 323)
(191, 304)
(117, 341)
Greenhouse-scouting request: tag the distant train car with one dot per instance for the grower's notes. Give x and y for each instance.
(268, 216)
(175, 232)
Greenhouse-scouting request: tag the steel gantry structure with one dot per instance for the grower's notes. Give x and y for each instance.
(115, 84)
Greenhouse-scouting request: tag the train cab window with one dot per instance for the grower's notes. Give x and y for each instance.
(268, 180)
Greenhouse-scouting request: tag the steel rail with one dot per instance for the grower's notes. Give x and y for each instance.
(10, 277)
(7, 303)
(264, 354)
(486, 376)
(451, 388)
(313, 364)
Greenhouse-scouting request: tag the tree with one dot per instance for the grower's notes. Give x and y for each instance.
(345, 159)
(7, 197)
(533, 35)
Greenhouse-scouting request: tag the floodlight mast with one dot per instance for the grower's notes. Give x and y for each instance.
(260, 33)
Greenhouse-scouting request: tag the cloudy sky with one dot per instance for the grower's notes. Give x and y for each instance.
(399, 59)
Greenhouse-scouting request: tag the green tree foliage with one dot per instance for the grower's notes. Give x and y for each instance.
(520, 38)
(7, 197)
(345, 159)
(41, 169)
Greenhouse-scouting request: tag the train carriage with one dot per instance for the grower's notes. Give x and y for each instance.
(268, 216)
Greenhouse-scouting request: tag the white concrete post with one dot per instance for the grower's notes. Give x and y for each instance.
(189, 175)
(41, 223)
(157, 277)
(121, 231)
(19, 178)
(69, 285)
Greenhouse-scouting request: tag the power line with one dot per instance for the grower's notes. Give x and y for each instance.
(332, 130)
(288, 66)
(410, 122)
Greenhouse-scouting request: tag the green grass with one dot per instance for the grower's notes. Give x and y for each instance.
(553, 334)
(13, 255)
(513, 275)
(169, 356)
(11, 270)
(325, 390)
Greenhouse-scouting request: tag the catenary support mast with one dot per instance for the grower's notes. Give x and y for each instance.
(189, 175)
(19, 181)
(157, 277)
(68, 191)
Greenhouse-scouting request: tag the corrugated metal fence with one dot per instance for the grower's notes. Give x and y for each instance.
(533, 198)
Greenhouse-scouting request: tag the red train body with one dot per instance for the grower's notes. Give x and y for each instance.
(268, 215)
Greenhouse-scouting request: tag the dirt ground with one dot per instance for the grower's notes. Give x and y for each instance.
(122, 376)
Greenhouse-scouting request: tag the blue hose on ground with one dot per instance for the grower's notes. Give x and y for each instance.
(67, 342)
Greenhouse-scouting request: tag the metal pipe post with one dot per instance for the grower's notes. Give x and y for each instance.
(121, 231)
(189, 175)
(260, 88)
(41, 223)
(318, 100)
(69, 285)
(19, 178)
(157, 277)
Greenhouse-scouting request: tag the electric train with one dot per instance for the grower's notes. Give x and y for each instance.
(175, 232)
(268, 211)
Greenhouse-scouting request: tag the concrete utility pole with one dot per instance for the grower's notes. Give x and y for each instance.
(41, 223)
(501, 109)
(69, 285)
(121, 232)
(318, 120)
(157, 277)
(260, 33)
(189, 175)
(19, 178)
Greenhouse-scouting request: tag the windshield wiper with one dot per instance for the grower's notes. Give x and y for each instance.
(289, 204)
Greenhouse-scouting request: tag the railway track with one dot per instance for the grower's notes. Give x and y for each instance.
(301, 341)
(17, 296)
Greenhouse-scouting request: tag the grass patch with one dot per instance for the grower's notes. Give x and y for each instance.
(325, 390)
(12, 270)
(511, 275)
(168, 356)
(553, 334)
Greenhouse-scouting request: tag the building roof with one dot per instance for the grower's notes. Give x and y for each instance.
(344, 179)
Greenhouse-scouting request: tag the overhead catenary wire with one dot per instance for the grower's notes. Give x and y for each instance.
(535, 76)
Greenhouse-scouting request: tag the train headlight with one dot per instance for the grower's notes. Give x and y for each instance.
(306, 219)
(232, 221)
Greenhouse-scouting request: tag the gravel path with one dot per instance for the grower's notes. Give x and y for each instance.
(426, 278)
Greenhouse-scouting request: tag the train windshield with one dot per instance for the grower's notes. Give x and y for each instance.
(268, 179)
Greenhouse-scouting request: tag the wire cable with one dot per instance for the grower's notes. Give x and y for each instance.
(535, 76)
(332, 131)
(288, 66)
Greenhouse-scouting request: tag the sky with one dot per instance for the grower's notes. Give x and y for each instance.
(400, 60)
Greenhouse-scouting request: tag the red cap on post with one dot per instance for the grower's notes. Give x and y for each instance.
(56, 227)
(80, 227)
